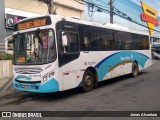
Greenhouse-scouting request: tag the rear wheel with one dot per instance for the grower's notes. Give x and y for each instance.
(135, 69)
(88, 81)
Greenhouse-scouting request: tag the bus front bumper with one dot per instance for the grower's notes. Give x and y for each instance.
(50, 85)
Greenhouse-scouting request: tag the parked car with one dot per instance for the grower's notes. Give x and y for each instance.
(155, 53)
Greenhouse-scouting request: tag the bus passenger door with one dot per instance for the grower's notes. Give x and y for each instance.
(69, 60)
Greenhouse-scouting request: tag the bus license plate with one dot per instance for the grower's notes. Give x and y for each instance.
(26, 86)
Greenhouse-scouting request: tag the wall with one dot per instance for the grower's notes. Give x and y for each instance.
(63, 7)
(2, 24)
(68, 8)
(66, 11)
(27, 5)
(5, 69)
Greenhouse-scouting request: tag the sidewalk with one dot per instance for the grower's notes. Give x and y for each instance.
(5, 85)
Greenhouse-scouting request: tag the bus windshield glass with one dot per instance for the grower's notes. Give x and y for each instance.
(37, 47)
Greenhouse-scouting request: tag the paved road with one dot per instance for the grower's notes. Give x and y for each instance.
(5, 85)
(121, 94)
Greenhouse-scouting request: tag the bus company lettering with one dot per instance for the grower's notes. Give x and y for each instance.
(32, 24)
(127, 58)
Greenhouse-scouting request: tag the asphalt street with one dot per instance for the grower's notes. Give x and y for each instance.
(121, 94)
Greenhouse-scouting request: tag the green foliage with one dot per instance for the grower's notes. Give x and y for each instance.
(6, 57)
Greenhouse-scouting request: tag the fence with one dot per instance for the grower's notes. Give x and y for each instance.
(6, 69)
(2, 46)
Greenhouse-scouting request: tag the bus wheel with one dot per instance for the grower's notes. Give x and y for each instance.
(88, 81)
(135, 69)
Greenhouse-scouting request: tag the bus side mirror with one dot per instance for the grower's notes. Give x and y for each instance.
(64, 39)
(9, 44)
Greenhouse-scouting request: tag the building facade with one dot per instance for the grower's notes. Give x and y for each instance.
(68, 8)
(16, 10)
(36, 7)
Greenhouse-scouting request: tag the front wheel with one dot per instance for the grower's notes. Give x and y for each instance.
(135, 69)
(88, 81)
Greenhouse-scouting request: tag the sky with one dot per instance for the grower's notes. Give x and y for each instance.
(153, 3)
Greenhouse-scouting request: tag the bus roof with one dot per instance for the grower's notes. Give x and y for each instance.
(108, 25)
(75, 19)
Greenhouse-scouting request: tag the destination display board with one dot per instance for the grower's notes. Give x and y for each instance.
(32, 23)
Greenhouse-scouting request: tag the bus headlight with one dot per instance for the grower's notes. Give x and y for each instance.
(45, 78)
(51, 74)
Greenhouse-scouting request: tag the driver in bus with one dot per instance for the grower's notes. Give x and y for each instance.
(37, 46)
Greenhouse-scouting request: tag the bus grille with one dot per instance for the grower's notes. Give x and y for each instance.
(28, 71)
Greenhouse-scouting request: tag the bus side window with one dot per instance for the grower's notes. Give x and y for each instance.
(136, 42)
(70, 42)
(145, 42)
(85, 43)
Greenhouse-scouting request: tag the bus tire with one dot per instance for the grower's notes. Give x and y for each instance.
(88, 81)
(135, 69)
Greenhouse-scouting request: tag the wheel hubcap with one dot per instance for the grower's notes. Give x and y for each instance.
(88, 80)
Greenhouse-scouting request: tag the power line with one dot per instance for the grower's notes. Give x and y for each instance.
(101, 2)
(115, 12)
(78, 1)
(88, 3)
(96, 6)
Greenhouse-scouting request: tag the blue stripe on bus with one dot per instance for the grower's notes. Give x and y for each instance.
(98, 65)
(117, 58)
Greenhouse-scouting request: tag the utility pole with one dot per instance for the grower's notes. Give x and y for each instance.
(111, 11)
(50, 6)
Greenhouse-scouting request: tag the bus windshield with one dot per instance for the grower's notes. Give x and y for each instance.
(37, 47)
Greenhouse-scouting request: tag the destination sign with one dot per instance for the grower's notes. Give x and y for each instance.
(32, 23)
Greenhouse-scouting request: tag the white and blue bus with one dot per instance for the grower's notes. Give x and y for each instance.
(54, 53)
